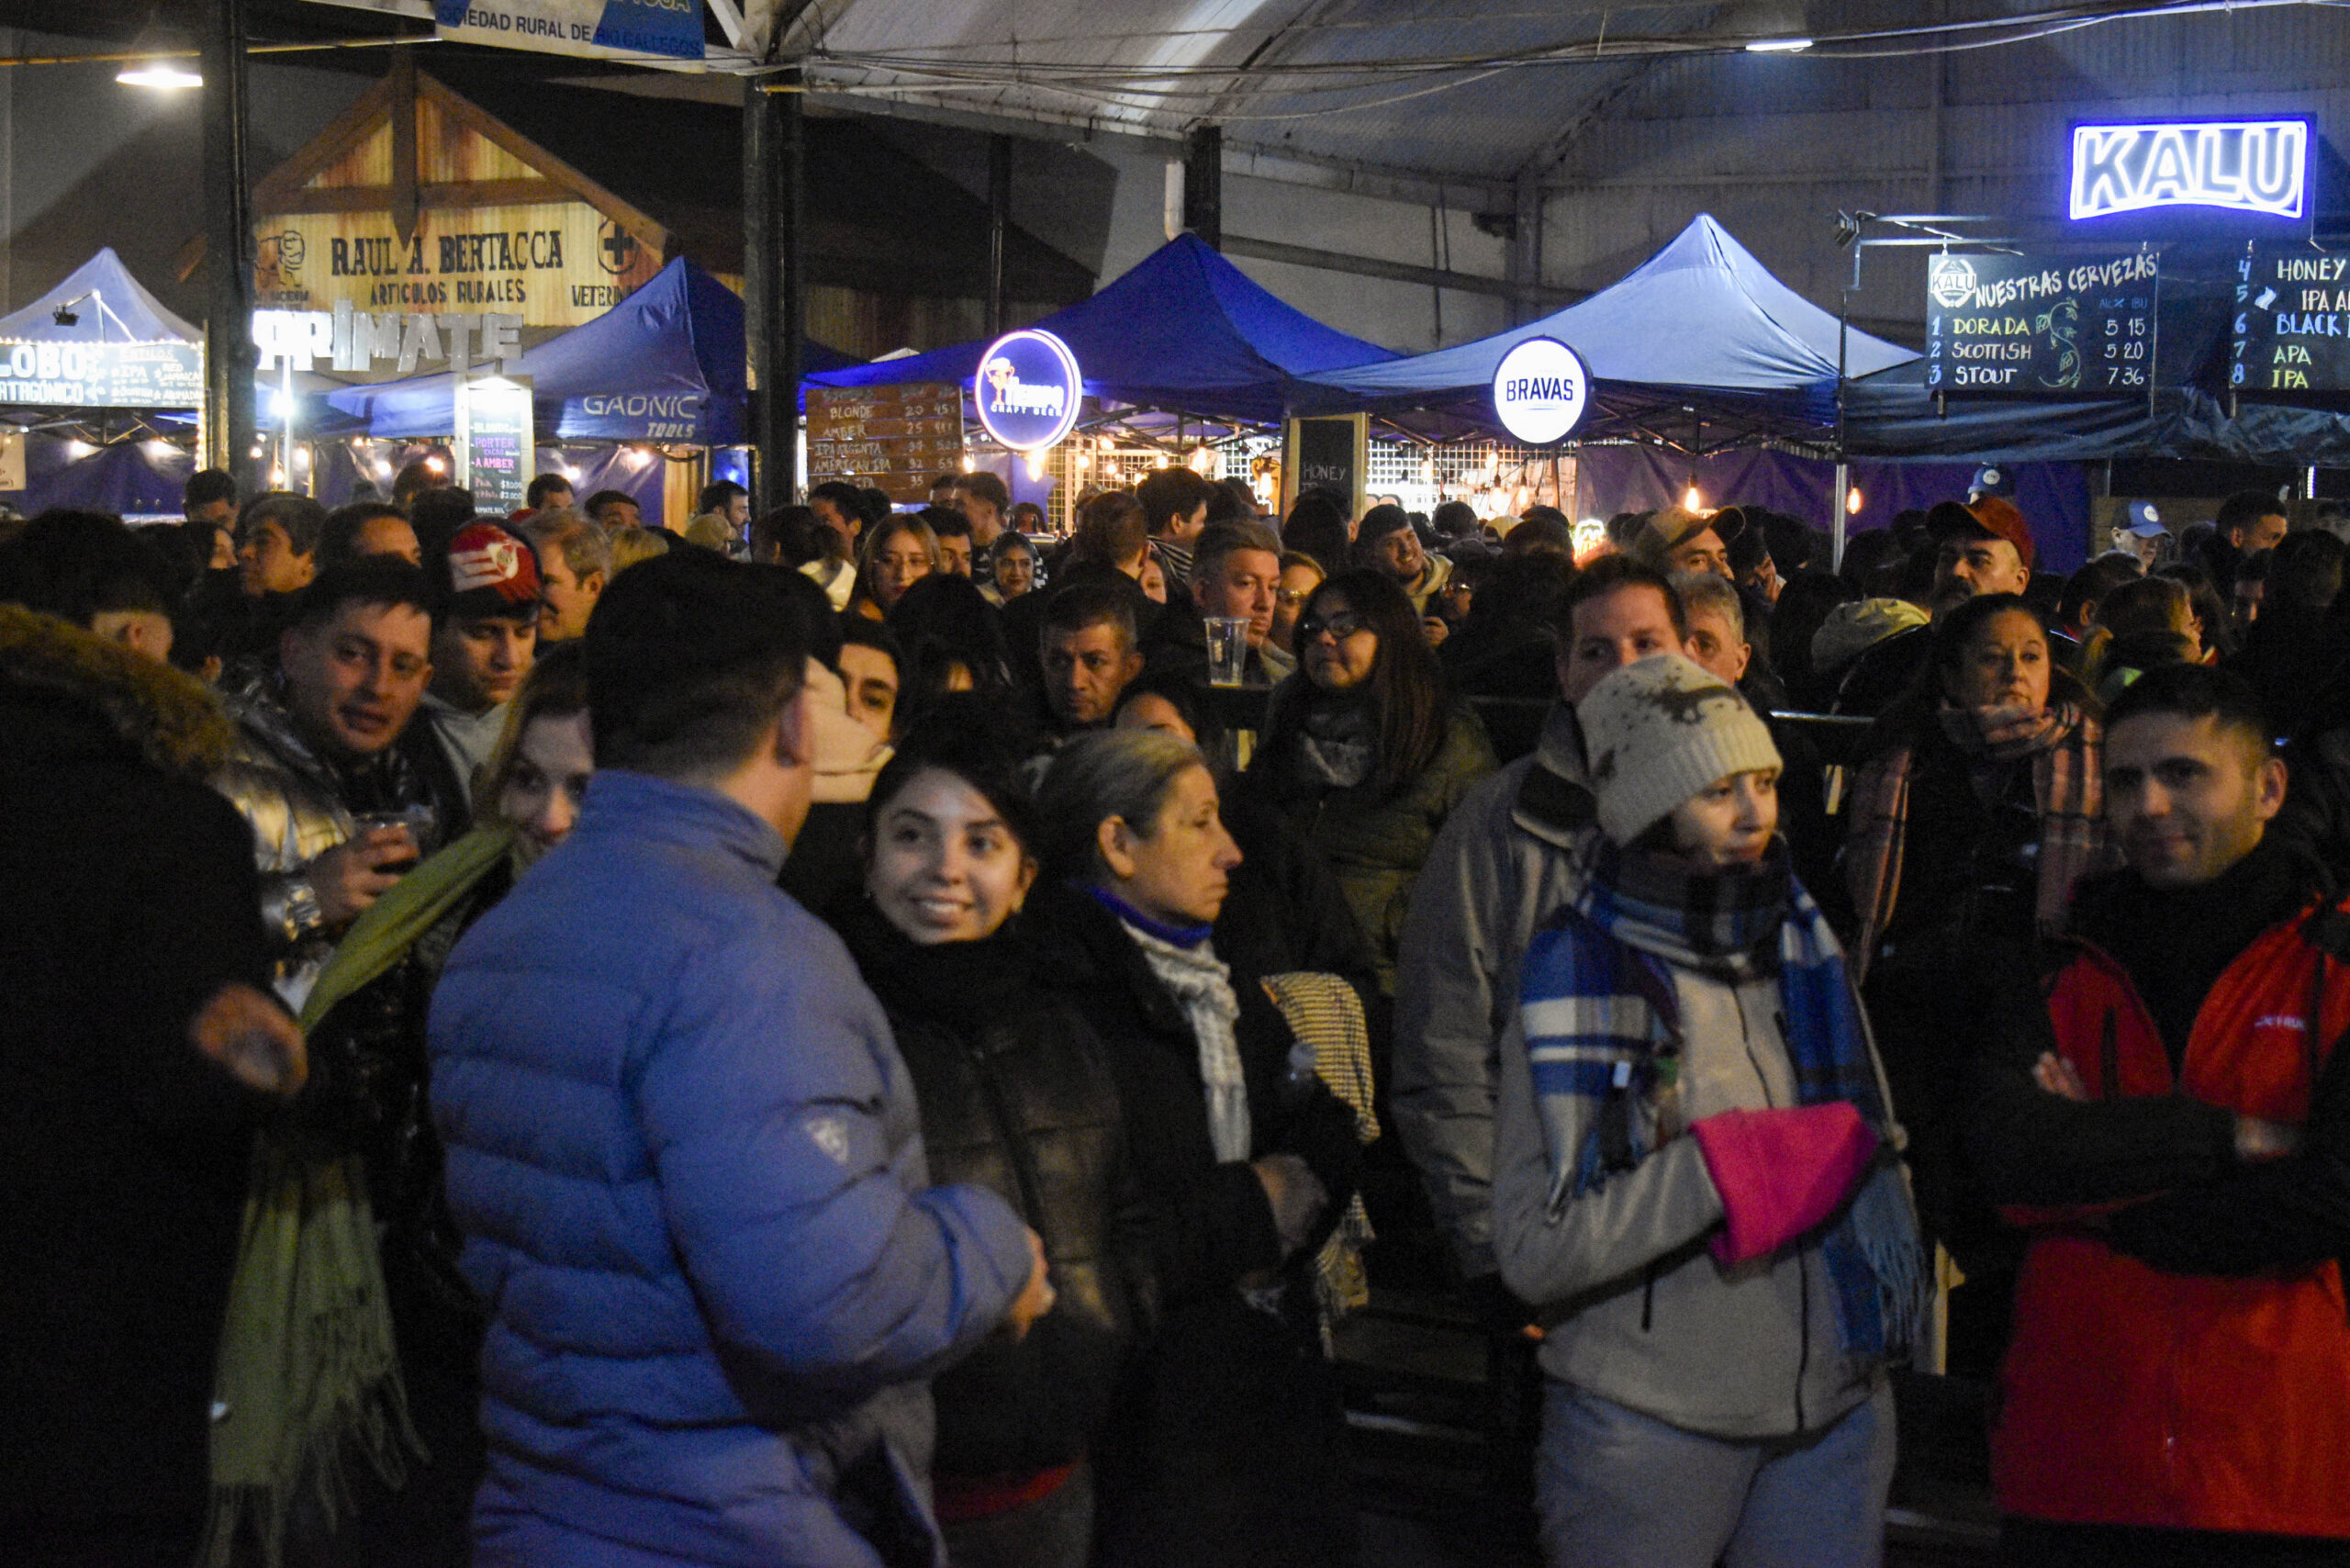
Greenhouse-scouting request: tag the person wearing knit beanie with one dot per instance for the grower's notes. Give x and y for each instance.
(1662, 731)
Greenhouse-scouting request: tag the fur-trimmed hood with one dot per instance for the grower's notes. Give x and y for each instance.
(170, 719)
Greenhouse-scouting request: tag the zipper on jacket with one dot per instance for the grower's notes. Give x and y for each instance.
(1803, 1356)
(1015, 1152)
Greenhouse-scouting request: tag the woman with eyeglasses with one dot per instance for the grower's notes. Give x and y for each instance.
(897, 553)
(1366, 749)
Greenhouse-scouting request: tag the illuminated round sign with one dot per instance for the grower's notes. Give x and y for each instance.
(1028, 388)
(1539, 391)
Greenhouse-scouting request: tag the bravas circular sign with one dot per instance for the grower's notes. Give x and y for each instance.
(1540, 389)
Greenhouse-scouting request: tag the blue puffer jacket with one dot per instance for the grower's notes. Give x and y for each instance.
(687, 1163)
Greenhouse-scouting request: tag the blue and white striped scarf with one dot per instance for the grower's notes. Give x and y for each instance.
(1603, 1036)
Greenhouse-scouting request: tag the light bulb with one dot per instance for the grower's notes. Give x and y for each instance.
(1852, 500)
(1692, 499)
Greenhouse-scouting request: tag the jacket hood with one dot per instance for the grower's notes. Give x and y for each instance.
(170, 719)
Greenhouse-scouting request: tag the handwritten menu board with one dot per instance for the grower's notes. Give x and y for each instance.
(494, 454)
(896, 439)
(2041, 324)
(2291, 327)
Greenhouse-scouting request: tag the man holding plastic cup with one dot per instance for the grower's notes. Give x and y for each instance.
(1236, 575)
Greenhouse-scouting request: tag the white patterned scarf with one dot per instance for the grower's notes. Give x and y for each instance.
(1201, 985)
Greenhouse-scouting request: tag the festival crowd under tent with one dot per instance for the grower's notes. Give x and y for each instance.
(1699, 325)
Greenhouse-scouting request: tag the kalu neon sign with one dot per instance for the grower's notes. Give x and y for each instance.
(2259, 167)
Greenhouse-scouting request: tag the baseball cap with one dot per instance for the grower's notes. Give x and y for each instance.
(1993, 517)
(2141, 519)
(1669, 528)
(1992, 481)
(489, 571)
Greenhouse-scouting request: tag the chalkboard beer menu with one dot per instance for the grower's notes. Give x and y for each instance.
(895, 439)
(2041, 325)
(2293, 322)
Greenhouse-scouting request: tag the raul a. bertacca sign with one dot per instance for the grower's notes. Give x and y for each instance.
(2250, 166)
(1540, 389)
(1028, 388)
(668, 27)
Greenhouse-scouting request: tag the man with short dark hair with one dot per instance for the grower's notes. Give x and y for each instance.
(986, 503)
(1387, 542)
(756, 1196)
(1086, 645)
(839, 507)
(209, 495)
(485, 636)
(1174, 508)
(2248, 522)
(721, 519)
(1506, 859)
(368, 528)
(614, 509)
(546, 492)
(318, 748)
(2168, 1104)
(955, 545)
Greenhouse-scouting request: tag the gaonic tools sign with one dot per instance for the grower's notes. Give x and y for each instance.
(1540, 389)
(1028, 388)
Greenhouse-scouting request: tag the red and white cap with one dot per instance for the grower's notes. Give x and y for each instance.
(491, 571)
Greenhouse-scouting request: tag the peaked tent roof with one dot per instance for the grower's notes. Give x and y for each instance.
(665, 364)
(1701, 318)
(128, 305)
(1183, 331)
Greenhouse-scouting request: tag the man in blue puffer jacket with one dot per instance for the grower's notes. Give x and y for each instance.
(685, 1152)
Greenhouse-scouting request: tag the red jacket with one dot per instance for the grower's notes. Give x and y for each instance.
(2133, 1396)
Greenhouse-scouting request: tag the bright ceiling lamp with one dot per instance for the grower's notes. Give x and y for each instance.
(160, 74)
(1768, 26)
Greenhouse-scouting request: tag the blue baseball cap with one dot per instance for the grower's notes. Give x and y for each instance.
(2141, 519)
(1992, 481)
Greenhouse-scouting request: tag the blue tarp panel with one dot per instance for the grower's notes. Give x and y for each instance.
(1184, 330)
(128, 306)
(130, 479)
(666, 364)
(1700, 321)
(2054, 496)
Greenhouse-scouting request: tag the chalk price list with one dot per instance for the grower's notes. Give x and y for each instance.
(2006, 324)
(2291, 331)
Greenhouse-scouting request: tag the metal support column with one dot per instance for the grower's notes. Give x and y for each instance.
(1524, 260)
(775, 292)
(1203, 185)
(229, 352)
(999, 222)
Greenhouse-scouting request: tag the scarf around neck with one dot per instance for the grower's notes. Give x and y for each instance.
(2006, 732)
(1200, 984)
(1602, 1035)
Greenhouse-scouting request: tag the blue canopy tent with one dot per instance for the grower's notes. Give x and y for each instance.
(1700, 325)
(1184, 331)
(135, 478)
(668, 362)
(99, 340)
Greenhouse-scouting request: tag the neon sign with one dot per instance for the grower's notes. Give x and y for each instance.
(2256, 166)
(1028, 388)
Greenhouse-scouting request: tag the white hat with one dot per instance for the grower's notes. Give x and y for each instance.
(1660, 732)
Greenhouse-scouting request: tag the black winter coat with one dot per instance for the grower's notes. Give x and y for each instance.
(1016, 1097)
(1225, 1450)
(127, 896)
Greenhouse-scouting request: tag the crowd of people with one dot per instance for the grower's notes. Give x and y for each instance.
(823, 1037)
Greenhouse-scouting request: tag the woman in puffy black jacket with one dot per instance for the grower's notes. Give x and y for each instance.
(1016, 1097)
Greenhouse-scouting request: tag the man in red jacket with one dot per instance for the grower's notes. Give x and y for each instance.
(2167, 1112)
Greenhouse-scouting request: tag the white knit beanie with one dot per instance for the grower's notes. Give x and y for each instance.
(1660, 732)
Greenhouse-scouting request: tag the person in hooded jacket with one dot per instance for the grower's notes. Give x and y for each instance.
(1694, 1182)
(1015, 1096)
(1225, 1449)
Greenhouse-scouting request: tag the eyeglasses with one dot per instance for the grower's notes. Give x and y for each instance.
(1293, 596)
(1340, 626)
